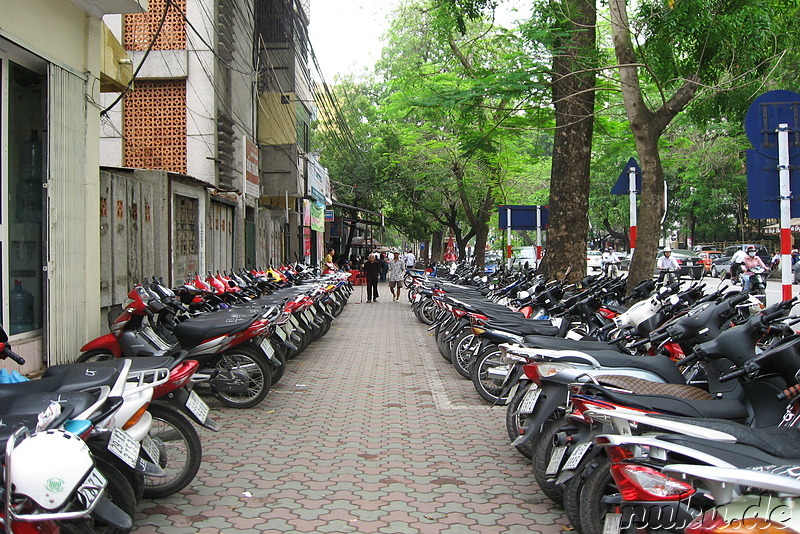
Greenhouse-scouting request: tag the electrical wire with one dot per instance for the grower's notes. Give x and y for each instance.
(144, 58)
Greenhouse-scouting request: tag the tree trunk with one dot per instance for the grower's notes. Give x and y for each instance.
(573, 99)
(647, 127)
(436, 246)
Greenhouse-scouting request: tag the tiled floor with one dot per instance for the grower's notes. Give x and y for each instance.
(370, 430)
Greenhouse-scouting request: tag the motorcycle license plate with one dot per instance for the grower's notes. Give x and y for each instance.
(267, 347)
(124, 447)
(151, 449)
(530, 400)
(612, 524)
(280, 333)
(577, 455)
(555, 460)
(92, 486)
(512, 392)
(197, 406)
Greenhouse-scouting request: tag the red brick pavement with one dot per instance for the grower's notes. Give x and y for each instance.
(370, 431)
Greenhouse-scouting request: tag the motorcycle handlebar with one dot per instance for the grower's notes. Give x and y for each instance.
(789, 393)
(735, 374)
(690, 359)
(8, 353)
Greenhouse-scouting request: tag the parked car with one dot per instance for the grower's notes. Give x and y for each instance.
(525, 254)
(491, 261)
(593, 260)
(707, 257)
(690, 263)
(722, 265)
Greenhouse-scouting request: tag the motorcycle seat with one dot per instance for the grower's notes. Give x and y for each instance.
(780, 441)
(689, 405)
(71, 401)
(524, 327)
(78, 378)
(137, 364)
(196, 330)
(560, 343)
(659, 365)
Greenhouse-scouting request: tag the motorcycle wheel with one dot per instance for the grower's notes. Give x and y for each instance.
(460, 355)
(515, 421)
(98, 355)
(440, 344)
(278, 370)
(542, 451)
(181, 451)
(326, 325)
(426, 312)
(118, 491)
(599, 484)
(243, 358)
(487, 387)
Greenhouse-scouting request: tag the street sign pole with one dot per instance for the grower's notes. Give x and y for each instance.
(538, 235)
(786, 195)
(632, 191)
(508, 233)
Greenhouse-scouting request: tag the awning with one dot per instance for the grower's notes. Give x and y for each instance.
(794, 224)
(342, 205)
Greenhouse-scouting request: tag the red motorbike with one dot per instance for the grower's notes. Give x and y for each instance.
(232, 346)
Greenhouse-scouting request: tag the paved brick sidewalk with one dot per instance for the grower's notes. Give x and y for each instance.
(370, 430)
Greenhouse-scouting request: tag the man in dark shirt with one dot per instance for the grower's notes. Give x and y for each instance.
(372, 271)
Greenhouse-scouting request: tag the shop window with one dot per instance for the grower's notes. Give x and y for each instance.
(22, 236)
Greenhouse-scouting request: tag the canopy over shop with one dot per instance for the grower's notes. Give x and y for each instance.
(355, 229)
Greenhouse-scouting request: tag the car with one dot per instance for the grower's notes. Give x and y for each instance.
(707, 257)
(594, 260)
(690, 263)
(722, 265)
(491, 261)
(525, 254)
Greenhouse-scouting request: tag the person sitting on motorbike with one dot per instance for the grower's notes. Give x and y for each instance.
(610, 261)
(666, 264)
(751, 261)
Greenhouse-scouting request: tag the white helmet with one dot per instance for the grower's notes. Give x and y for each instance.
(667, 249)
(48, 466)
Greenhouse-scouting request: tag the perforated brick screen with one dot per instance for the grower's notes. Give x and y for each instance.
(140, 27)
(155, 125)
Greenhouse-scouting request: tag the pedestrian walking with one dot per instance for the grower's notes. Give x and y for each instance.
(372, 271)
(410, 259)
(384, 266)
(396, 274)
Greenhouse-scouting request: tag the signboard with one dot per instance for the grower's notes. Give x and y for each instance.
(251, 182)
(306, 241)
(761, 123)
(329, 216)
(623, 187)
(522, 217)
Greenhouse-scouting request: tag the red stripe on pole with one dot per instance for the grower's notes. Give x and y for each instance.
(786, 240)
(508, 250)
(539, 252)
(633, 237)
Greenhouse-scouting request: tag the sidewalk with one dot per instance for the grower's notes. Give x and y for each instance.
(370, 430)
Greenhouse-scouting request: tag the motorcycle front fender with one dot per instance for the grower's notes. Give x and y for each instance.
(551, 397)
(111, 514)
(107, 342)
(178, 399)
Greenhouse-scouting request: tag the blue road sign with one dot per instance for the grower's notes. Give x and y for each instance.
(765, 114)
(763, 187)
(622, 187)
(522, 217)
(761, 122)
